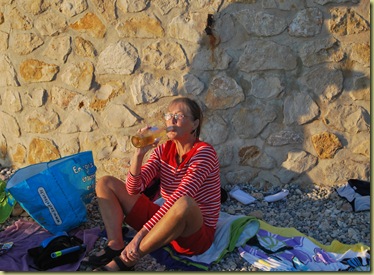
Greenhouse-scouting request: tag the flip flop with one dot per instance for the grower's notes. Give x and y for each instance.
(120, 264)
(96, 261)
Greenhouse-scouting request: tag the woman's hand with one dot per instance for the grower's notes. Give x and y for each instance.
(131, 252)
(145, 149)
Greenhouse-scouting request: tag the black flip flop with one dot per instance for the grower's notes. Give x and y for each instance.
(96, 261)
(120, 264)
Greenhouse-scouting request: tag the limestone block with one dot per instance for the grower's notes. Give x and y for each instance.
(266, 86)
(260, 55)
(118, 58)
(105, 94)
(3, 41)
(36, 97)
(42, 121)
(7, 72)
(9, 125)
(361, 53)
(90, 24)
(296, 163)
(127, 6)
(140, 26)
(148, 88)
(225, 27)
(208, 60)
(329, 84)
(35, 7)
(225, 154)
(3, 147)
(283, 5)
(345, 21)
(211, 5)
(165, 56)
(62, 97)
(215, 130)
(250, 120)
(361, 89)
(58, 48)
(78, 75)
(307, 23)
(188, 27)
(72, 7)
(321, 51)
(347, 118)
(363, 148)
(223, 93)
(261, 23)
(240, 175)
(326, 144)
(70, 147)
(12, 101)
(107, 9)
(165, 6)
(84, 47)
(25, 43)
(253, 156)
(1, 18)
(19, 21)
(192, 85)
(78, 121)
(50, 23)
(299, 108)
(33, 70)
(284, 137)
(42, 150)
(118, 116)
(345, 168)
(104, 153)
(264, 179)
(117, 167)
(18, 153)
(325, 2)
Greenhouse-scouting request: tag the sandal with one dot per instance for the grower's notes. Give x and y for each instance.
(120, 264)
(96, 261)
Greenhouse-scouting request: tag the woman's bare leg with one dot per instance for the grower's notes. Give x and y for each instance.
(183, 219)
(114, 203)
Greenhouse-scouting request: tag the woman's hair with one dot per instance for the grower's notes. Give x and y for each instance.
(195, 111)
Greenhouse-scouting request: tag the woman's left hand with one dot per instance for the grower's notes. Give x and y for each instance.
(131, 251)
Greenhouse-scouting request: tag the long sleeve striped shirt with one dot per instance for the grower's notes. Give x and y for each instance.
(197, 176)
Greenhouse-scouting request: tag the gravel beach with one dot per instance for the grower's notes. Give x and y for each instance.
(318, 213)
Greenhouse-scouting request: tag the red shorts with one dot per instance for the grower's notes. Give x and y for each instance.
(195, 244)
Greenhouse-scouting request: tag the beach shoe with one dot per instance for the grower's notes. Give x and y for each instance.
(96, 261)
(120, 264)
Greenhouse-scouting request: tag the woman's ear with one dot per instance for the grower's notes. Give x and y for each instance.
(195, 124)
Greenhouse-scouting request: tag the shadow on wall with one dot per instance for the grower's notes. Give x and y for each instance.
(288, 97)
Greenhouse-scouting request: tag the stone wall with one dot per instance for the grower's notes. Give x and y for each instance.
(285, 85)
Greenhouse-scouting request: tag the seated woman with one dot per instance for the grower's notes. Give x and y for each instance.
(188, 170)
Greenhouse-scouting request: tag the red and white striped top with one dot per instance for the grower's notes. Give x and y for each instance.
(198, 176)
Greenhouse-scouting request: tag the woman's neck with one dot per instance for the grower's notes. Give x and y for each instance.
(183, 148)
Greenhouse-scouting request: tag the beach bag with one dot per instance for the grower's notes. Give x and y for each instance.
(55, 193)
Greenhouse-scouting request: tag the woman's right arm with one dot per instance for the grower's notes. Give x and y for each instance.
(140, 175)
(136, 161)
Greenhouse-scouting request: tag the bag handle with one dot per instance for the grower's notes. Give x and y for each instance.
(11, 199)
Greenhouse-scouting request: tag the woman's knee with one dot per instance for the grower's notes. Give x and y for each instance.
(107, 182)
(184, 205)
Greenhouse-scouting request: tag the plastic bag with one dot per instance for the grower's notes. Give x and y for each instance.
(55, 193)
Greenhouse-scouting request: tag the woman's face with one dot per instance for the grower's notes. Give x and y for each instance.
(181, 119)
